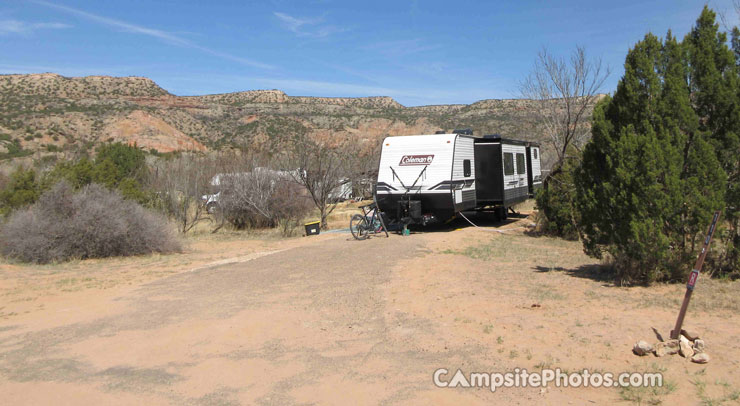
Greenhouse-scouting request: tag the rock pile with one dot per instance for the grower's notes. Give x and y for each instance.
(689, 345)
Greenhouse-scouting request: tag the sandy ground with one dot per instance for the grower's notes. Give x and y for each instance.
(329, 320)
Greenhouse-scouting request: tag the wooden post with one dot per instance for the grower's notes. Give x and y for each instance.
(693, 277)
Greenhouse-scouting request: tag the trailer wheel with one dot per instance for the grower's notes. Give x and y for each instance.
(359, 227)
(501, 213)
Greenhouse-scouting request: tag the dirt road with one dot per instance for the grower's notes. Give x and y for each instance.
(335, 321)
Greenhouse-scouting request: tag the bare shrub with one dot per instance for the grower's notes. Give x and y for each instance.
(262, 197)
(92, 223)
(291, 205)
(180, 183)
(326, 168)
(566, 92)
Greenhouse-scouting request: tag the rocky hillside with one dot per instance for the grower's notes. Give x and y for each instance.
(48, 114)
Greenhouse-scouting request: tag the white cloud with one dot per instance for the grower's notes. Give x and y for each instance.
(24, 28)
(153, 32)
(307, 27)
(294, 24)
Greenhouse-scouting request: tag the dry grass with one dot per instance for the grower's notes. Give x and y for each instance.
(478, 296)
(717, 392)
(641, 395)
(21, 285)
(552, 255)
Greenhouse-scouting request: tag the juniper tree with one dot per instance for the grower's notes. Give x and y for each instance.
(736, 44)
(715, 90)
(21, 190)
(702, 179)
(638, 193)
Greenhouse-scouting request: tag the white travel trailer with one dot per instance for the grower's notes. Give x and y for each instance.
(426, 177)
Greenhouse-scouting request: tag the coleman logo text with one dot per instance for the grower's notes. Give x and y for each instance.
(407, 160)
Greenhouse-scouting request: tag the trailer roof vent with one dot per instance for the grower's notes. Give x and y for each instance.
(463, 131)
(441, 132)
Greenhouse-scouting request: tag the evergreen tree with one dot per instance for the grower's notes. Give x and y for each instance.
(556, 202)
(736, 44)
(700, 175)
(77, 174)
(715, 91)
(22, 190)
(128, 160)
(638, 194)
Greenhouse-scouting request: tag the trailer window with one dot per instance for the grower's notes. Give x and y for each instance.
(508, 163)
(466, 168)
(534, 153)
(520, 164)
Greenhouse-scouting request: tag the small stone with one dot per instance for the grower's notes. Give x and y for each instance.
(700, 358)
(660, 349)
(698, 346)
(691, 335)
(685, 347)
(642, 348)
(671, 347)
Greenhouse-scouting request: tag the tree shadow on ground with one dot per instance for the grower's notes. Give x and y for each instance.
(595, 272)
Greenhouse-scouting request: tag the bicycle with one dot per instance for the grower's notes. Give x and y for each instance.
(369, 222)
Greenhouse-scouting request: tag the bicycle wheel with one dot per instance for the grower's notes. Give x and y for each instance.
(358, 227)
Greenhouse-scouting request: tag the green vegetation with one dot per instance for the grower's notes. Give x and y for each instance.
(556, 202)
(116, 166)
(14, 150)
(663, 157)
(20, 191)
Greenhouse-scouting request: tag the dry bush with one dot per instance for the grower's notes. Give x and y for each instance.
(92, 223)
(180, 183)
(325, 168)
(291, 205)
(263, 198)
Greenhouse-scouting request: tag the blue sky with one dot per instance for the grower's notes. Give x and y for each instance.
(418, 52)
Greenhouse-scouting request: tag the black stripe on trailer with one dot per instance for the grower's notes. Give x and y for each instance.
(451, 184)
(385, 187)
